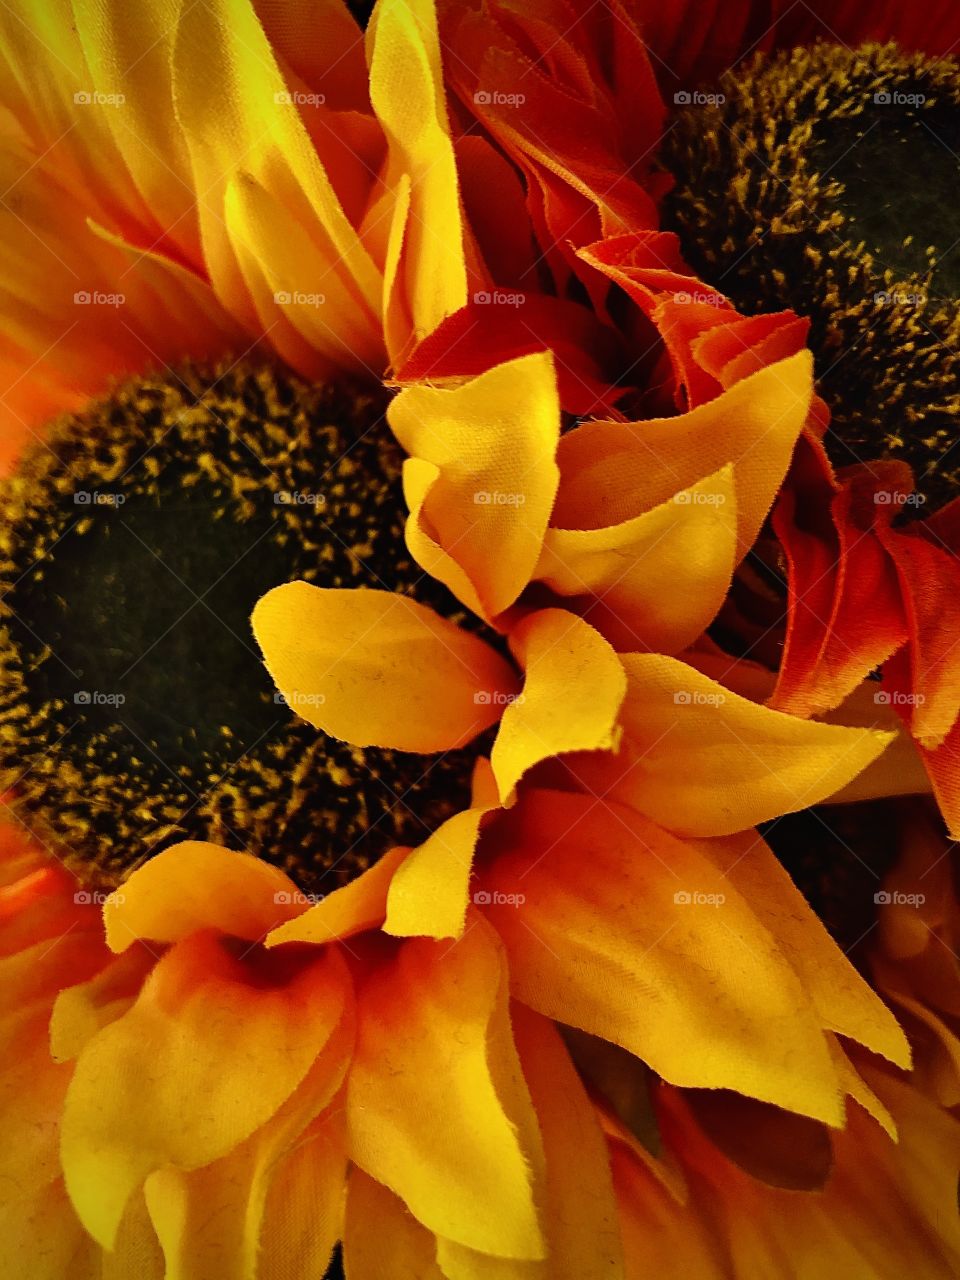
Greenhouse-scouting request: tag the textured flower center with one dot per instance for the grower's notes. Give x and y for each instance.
(826, 180)
(136, 711)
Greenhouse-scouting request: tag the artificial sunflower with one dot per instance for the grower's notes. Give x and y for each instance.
(382, 884)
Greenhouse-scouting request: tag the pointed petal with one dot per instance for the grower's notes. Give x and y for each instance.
(379, 669)
(436, 1105)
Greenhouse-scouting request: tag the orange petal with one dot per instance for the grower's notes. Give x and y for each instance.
(436, 1105)
(196, 885)
(379, 669)
(216, 1043)
(687, 977)
(613, 471)
(572, 692)
(493, 441)
(703, 760)
(624, 577)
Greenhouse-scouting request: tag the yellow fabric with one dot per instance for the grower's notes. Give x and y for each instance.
(382, 1238)
(196, 885)
(493, 442)
(407, 93)
(572, 692)
(618, 928)
(361, 904)
(379, 669)
(436, 1105)
(613, 471)
(202, 1059)
(702, 760)
(429, 892)
(634, 568)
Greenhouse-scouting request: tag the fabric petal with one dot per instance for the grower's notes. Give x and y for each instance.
(381, 1238)
(493, 440)
(623, 578)
(573, 689)
(702, 760)
(436, 1105)
(232, 1032)
(612, 471)
(196, 885)
(618, 928)
(379, 669)
(429, 893)
(361, 904)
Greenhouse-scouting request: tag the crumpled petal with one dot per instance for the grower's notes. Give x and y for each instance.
(616, 927)
(232, 1031)
(429, 892)
(379, 669)
(573, 689)
(623, 578)
(436, 1105)
(702, 760)
(361, 904)
(493, 441)
(612, 471)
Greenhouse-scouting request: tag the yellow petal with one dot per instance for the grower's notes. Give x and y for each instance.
(407, 93)
(81, 1010)
(381, 1238)
(581, 1210)
(493, 441)
(436, 1105)
(196, 885)
(612, 471)
(617, 928)
(216, 1043)
(572, 692)
(702, 760)
(379, 669)
(626, 575)
(845, 1003)
(240, 126)
(360, 904)
(242, 1215)
(429, 893)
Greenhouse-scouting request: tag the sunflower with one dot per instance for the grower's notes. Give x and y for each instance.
(428, 929)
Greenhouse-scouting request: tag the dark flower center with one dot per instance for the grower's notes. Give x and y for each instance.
(136, 710)
(826, 180)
